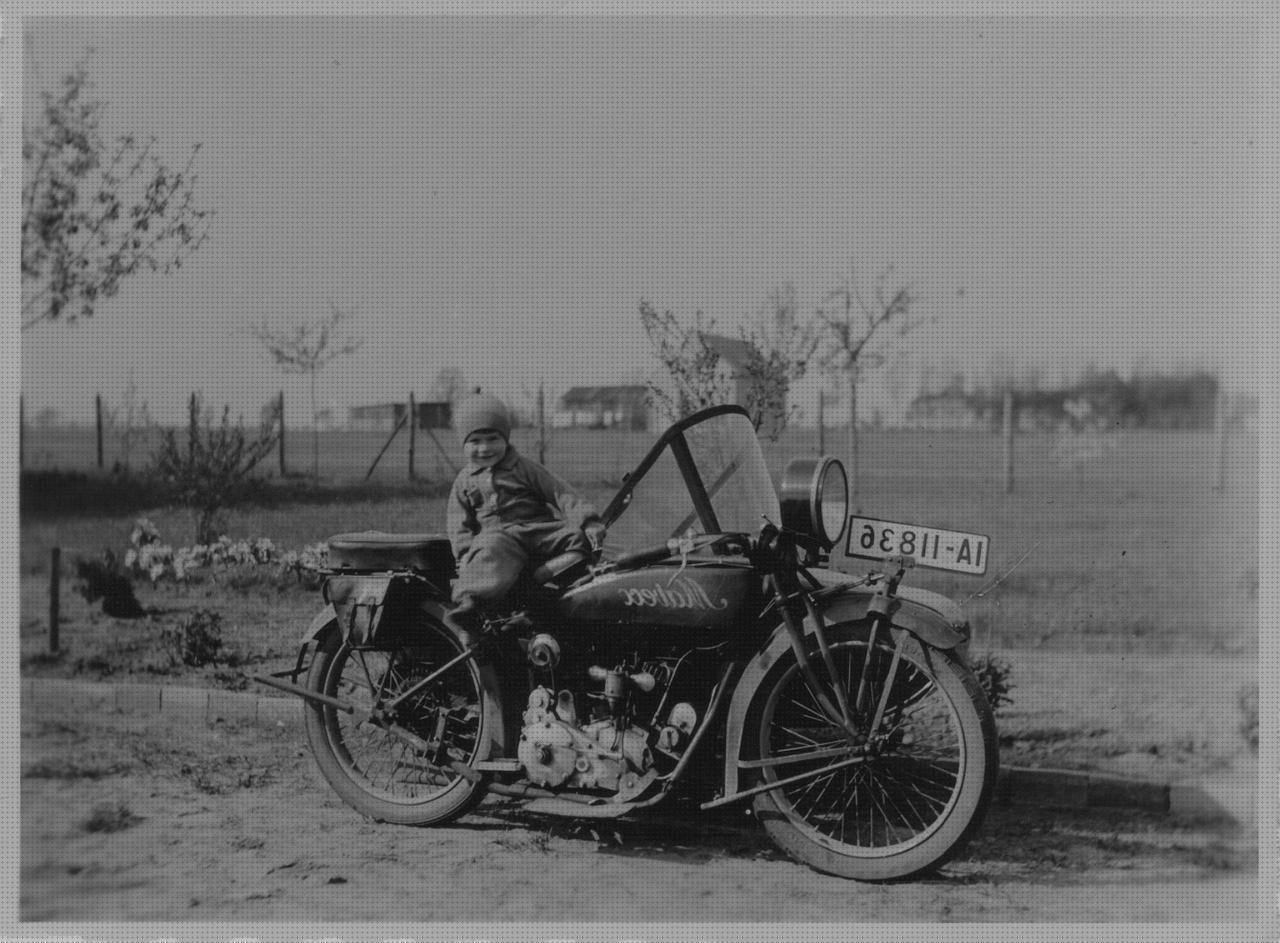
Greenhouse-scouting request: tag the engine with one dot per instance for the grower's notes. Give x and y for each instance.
(556, 750)
(618, 735)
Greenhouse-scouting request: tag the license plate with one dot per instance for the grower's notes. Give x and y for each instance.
(872, 539)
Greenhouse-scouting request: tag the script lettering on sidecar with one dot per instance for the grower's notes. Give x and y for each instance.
(684, 594)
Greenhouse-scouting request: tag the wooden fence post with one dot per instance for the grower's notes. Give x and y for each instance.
(855, 484)
(55, 581)
(1008, 441)
(413, 434)
(193, 425)
(280, 419)
(97, 414)
(22, 426)
(1220, 424)
(542, 425)
(822, 422)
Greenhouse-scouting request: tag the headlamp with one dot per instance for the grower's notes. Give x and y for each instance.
(814, 496)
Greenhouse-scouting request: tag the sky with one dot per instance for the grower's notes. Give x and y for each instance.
(498, 194)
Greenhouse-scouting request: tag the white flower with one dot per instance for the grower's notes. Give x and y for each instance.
(144, 532)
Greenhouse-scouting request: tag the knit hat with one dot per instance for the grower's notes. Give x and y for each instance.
(481, 411)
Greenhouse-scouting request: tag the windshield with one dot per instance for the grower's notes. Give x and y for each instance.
(705, 475)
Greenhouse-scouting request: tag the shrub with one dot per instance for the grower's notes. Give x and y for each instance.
(212, 470)
(111, 817)
(993, 674)
(197, 641)
(105, 579)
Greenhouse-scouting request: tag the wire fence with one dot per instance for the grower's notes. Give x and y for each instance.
(602, 456)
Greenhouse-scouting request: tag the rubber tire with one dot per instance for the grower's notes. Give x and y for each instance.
(457, 798)
(976, 723)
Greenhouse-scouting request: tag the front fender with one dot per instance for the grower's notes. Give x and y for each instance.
(929, 618)
(933, 618)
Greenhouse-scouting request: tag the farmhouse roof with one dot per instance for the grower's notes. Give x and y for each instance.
(735, 350)
(591, 395)
(419, 402)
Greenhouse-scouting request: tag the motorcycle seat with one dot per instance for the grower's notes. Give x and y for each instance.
(558, 567)
(378, 550)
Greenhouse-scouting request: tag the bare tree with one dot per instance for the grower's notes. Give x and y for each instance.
(855, 327)
(780, 344)
(94, 211)
(213, 471)
(306, 348)
(777, 350)
(692, 365)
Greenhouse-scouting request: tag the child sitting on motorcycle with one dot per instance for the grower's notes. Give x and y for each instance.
(505, 512)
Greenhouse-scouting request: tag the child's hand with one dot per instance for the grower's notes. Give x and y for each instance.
(595, 532)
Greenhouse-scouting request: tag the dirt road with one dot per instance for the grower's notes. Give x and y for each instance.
(129, 818)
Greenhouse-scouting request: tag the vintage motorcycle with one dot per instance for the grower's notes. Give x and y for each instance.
(704, 653)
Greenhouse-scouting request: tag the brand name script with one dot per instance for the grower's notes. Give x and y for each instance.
(683, 594)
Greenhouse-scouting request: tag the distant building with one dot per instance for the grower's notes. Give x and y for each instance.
(437, 415)
(432, 415)
(376, 416)
(1100, 401)
(604, 407)
(735, 355)
(937, 411)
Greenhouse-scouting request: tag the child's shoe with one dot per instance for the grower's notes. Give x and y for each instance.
(464, 621)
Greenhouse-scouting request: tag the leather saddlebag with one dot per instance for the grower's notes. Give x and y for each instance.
(373, 608)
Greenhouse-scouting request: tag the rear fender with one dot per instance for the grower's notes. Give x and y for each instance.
(319, 622)
(505, 731)
(919, 616)
(327, 616)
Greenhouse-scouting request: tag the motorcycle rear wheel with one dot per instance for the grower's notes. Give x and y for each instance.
(393, 778)
(902, 809)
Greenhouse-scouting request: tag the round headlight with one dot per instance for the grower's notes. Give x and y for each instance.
(815, 498)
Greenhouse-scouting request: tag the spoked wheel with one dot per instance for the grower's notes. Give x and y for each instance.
(399, 762)
(880, 804)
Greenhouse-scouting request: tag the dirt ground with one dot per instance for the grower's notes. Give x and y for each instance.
(129, 818)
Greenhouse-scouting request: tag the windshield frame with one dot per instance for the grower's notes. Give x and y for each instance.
(674, 438)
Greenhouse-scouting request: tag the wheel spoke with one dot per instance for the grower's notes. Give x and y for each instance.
(910, 790)
(911, 774)
(399, 767)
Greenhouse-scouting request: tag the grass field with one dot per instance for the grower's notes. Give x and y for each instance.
(1131, 545)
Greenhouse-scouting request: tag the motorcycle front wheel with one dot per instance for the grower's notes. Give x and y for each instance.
(399, 765)
(883, 804)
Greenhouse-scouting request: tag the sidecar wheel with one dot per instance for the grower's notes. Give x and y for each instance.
(900, 808)
(385, 776)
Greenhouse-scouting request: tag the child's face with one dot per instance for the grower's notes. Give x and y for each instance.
(484, 448)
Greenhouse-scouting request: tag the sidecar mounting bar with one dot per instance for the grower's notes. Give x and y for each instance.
(275, 681)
